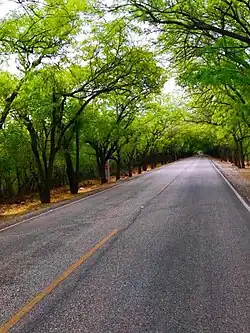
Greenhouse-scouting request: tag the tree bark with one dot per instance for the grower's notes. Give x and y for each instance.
(118, 165)
(152, 160)
(45, 183)
(241, 155)
(118, 169)
(44, 170)
(102, 172)
(230, 156)
(19, 184)
(45, 192)
(235, 158)
(71, 174)
(130, 172)
(77, 156)
(10, 189)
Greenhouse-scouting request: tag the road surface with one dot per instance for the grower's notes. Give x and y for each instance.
(178, 259)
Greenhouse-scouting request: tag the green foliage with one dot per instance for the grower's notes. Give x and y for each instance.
(87, 89)
(209, 43)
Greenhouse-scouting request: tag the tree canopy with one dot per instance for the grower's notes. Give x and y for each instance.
(82, 83)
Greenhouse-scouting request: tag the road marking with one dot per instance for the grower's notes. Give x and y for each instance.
(244, 203)
(46, 291)
(174, 179)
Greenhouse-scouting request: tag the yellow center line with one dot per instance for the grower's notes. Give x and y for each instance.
(46, 291)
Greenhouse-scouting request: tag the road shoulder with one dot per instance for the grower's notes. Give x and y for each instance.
(237, 178)
(18, 219)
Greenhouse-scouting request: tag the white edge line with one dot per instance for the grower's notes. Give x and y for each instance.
(244, 203)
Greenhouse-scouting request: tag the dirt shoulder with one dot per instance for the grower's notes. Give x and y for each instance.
(239, 178)
(11, 214)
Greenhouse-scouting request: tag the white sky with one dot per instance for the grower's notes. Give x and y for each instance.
(8, 5)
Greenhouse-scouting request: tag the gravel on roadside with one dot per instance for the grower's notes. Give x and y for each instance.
(235, 177)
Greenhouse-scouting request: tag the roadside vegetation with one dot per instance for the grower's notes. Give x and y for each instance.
(82, 83)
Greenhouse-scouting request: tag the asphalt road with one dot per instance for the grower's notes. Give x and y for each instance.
(180, 261)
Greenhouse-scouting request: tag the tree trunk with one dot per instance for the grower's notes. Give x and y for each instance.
(45, 192)
(72, 178)
(152, 161)
(44, 171)
(230, 156)
(45, 184)
(139, 169)
(10, 189)
(102, 173)
(1, 192)
(77, 156)
(71, 173)
(19, 185)
(118, 169)
(241, 155)
(130, 172)
(235, 159)
(118, 165)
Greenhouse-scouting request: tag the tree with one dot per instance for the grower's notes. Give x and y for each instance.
(109, 121)
(197, 21)
(87, 89)
(209, 44)
(217, 108)
(50, 98)
(35, 35)
(16, 162)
